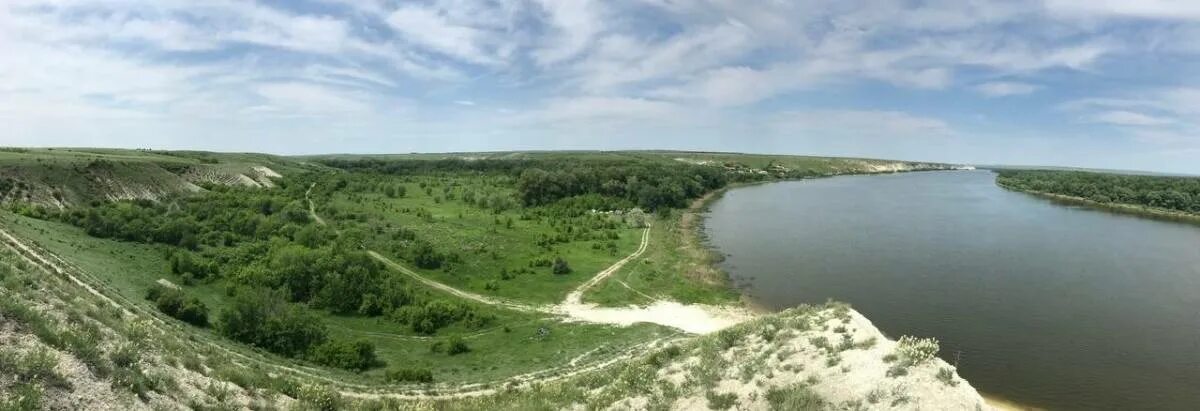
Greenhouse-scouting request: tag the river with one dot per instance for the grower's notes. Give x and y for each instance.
(1041, 303)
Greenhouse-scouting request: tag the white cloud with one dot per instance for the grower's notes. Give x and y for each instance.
(1005, 88)
(308, 99)
(860, 124)
(602, 109)
(629, 67)
(1128, 118)
(1150, 9)
(574, 24)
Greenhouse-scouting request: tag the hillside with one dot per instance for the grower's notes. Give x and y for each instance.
(63, 177)
(474, 280)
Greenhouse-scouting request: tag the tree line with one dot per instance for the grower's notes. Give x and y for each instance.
(1172, 193)
(647, 184)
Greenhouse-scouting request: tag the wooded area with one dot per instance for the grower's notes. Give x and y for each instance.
(1172, 193)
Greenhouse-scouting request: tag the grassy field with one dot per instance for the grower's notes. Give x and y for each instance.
(665, 271)
(487, 241)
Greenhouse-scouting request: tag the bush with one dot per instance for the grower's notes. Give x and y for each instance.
(796, 397)
(946, 376)
(915, 351)
(36, 366)
(660, 358)
(175, 303)
(350, 355)
(319, 398)
(560, 266)
(434, 315)
(263, 319)
(422, 375)
(457, 346)
(23, 396)
(424, 256)
(720, 401)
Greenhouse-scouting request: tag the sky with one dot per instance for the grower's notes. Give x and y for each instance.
(1089, 83)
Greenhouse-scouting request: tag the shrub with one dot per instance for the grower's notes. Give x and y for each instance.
(125, 357)
(36, 366)
(174, 303)
(728, 338)
(422, 375)
(663, 356)
(560, 266)
(23, 396)
(946, 376)
(424, 256)
(319, 398)
(720, 401)
(795, 398)
(350, 355)
(915, 351)
(433, 315)
(457, 346)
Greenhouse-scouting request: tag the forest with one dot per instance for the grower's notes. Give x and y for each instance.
(647, 184)
(1181, 194)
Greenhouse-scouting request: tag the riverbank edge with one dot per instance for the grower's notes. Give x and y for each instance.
(693, 224)
(1119, 208)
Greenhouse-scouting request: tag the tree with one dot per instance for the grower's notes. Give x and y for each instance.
(263, 318)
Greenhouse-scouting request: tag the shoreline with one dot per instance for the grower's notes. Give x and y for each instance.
(693, 222)
(1118, 208)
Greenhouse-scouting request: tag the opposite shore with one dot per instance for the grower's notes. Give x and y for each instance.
(1121, 208)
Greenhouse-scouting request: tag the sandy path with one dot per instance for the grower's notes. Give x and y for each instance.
(46, 261)
(694, 318)
(451, 290)
(312, 209)
(576, 296)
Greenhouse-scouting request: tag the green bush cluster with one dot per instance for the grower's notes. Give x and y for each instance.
(175, 303)
(421, 375)
(263, 318)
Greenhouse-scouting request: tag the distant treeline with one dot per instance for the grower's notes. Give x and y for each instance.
(648, 184)
(1172, 193)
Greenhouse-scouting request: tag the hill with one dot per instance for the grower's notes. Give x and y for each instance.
(63, 177)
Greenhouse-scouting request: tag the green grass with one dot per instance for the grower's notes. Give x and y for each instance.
(660, 273)
(486, 247)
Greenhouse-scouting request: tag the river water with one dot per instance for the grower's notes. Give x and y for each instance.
(1045, 304)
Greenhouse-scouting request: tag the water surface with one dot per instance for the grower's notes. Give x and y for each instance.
(1049, 305)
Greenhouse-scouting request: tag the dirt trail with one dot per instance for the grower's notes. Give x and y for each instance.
(46, 261)
(454, 291)
(693, 318)
(312, 209)
(576, 296)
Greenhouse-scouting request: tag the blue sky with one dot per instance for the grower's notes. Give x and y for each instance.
(1094, 83)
